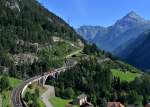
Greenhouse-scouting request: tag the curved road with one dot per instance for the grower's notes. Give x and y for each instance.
(49, 93)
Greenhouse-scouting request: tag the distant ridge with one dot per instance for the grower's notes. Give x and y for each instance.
(110, 38)
(139, 51)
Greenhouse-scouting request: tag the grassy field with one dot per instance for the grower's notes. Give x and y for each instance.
(57, 50)
(6, 95)
(55, 54)
(6, 99)
(59, 102)
(125, 76)
(14, 82)
(40, 102)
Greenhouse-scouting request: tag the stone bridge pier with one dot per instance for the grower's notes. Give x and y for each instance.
(55, 75)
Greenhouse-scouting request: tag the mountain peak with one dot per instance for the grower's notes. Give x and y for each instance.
(133, 15)
(131, 20)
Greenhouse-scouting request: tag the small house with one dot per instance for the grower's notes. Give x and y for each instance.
(115, 104)
(81, 100)
(147, 105)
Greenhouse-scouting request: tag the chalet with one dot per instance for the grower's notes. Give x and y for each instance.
(115, 104)
(81, 100)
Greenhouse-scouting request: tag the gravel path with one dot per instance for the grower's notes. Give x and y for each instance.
(49, 93)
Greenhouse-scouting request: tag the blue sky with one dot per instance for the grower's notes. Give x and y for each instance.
(96, 12)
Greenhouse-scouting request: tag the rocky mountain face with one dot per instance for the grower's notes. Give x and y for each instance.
(110, 38)
(138, 51)
(90, 32)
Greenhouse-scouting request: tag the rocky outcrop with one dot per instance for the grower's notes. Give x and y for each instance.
(12, 4)
(22, 58)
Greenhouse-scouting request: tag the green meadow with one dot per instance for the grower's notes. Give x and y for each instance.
(125, 76)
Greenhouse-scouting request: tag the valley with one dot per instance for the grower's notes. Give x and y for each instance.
(44, 62)
(123, 39)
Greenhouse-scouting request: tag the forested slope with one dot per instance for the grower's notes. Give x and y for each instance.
(29, 34)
